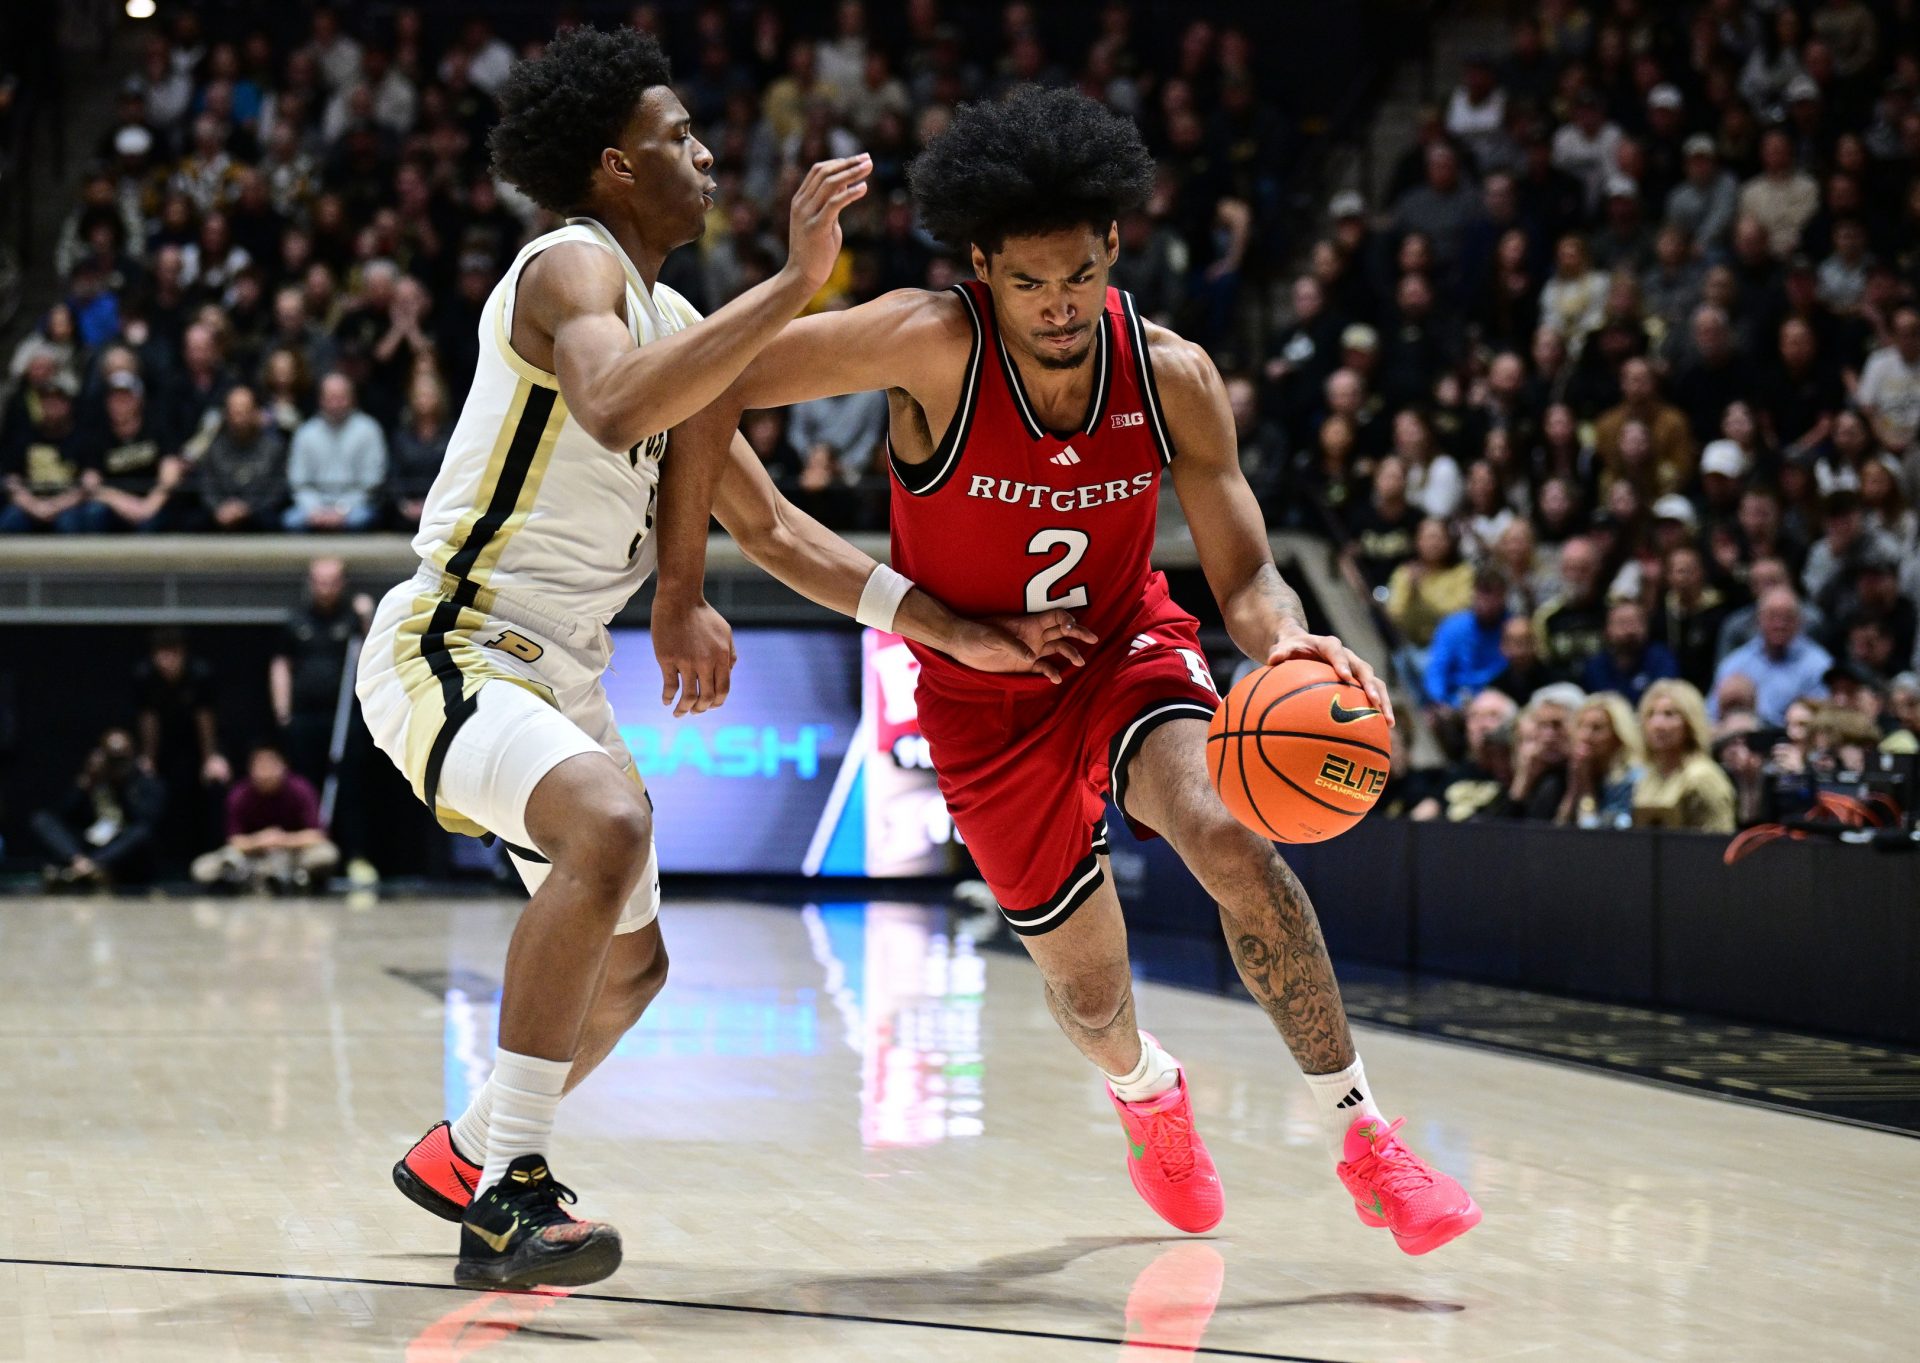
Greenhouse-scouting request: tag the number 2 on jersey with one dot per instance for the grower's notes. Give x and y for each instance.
(1041, 585)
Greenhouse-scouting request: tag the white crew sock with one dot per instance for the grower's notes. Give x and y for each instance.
(471, 1127)
(526, 1091)
(1342, 1096)
(1156, 1073)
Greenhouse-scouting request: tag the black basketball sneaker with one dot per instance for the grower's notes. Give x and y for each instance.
(517, 1236)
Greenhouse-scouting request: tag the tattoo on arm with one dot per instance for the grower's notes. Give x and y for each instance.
(1258, 610)
(1283, 959)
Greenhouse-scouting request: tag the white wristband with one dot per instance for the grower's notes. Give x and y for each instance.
(880, 599)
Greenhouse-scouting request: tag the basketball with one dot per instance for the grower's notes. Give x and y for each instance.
(1297, 754)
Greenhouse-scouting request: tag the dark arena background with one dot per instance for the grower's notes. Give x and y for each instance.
(1573, 355)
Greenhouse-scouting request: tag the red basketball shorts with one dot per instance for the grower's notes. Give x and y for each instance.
(1025, 776)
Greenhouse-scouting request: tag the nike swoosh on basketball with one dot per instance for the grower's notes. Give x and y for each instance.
(1342, 715)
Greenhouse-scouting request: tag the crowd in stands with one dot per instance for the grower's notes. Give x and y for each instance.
(1612, 402)
(275, 270)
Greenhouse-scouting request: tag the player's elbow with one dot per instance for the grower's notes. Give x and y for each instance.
(767, 538)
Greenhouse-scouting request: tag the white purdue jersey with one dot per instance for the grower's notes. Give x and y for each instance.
(526, 500)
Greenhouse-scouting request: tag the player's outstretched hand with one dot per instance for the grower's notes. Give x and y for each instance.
(695, 647)
(813, 238)
(1039, 643)
(1349, 666)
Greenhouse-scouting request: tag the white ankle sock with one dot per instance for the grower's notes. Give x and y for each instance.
(526, 1091)
(1342, 1096)
(470, 1128)
(1154, 1075)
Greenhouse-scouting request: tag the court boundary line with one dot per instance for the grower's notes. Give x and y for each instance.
(670, 1303)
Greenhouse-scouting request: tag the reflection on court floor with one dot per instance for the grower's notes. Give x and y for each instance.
(845, 1133)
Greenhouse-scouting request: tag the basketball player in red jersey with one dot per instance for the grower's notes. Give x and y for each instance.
(1034, 414)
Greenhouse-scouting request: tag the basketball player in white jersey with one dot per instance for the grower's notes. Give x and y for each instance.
(481, 677)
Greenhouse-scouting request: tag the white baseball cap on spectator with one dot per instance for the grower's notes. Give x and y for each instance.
(1359, 336)
(1906, 684)
(1724, 457)
(1665, 96)
(132, 140)
(1802, 87)
(1674, 507)
(1621, 186)
(1700, 144)
(1347, 204)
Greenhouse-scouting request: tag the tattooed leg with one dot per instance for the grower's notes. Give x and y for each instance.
(1270, 924)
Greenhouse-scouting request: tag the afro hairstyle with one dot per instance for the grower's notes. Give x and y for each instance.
(1040, 160)
(561, 110)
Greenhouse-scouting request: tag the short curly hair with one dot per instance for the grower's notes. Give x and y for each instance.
(1039, 160)
(561, 110)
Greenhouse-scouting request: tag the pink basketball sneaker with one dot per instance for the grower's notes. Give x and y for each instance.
(1169, 1162)
(1391, 1187)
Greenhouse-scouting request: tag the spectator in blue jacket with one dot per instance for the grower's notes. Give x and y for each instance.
(338, 464)
(1628, 664)
(1466, 654)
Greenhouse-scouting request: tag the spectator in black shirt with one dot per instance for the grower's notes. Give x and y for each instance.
(176, 719)
(102, 833)
(419, 446)
(1690, 617)
(132, 470)
(241, 479)
(1712, 376)
(1802, 392)
(42, 460)
(1381, 529)
(305, 676)
(1524, 673)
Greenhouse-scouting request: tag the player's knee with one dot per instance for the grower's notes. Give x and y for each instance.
(1093, 1001)
(607, 848)
(1213, 840)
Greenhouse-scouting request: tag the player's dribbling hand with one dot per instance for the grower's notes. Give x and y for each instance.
(813, 237)
(1347, 665)
(1022, 643)
(694, 645)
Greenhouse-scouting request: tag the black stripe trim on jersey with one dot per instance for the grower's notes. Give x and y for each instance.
(1077, 889)
(1103, 377)
(514, 469)
(923, 480)
(1126, 743)
(1149, 391)
(1102, 839)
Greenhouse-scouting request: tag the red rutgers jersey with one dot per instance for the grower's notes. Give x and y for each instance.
(1010, 518)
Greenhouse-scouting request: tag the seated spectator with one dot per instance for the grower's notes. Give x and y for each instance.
(1681, 786)
(241, 479)
(1477, 783)
(1703, 205)
(1535, 579)
(1483, 515)
(102, 833)
(419, 448)
(132, 471)
(42, 464)
(338, 464)
(286, 390)
(1541, 748)
(1845, 546)
(1885, 505)
(1431, 586)
(1766, 574)
(1784, 664)
(1782, 198)
(1889, 395)
(1691, 617)
(1573, 625)
(1903, 707)
(1876, 597)
(1574, 302)
(274, 838)
(1525, 672)
(1604, 765)
(1672, 447)
(1466, 655)
(1433, 476)
(1629, 663)
(1382, 528)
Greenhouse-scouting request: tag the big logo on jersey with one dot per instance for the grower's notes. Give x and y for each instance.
(1035, 495)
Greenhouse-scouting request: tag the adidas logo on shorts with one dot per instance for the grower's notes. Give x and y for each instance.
(1065, 457)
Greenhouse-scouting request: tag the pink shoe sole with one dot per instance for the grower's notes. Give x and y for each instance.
(1436, 1235)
